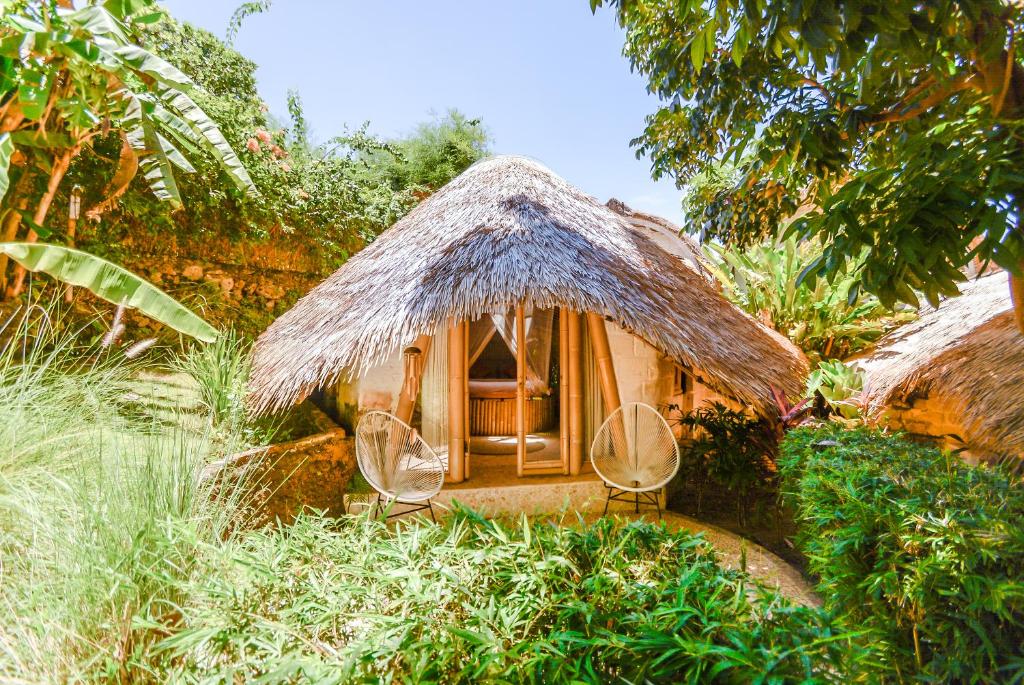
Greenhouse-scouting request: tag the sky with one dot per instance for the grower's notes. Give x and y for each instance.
(546, 77)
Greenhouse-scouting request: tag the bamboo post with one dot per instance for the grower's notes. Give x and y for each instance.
(603, 359)
(606, 375)
(520, 389)
(563, 391)
(456, 402)
(465, 394)
(574, 345)
(411, 381)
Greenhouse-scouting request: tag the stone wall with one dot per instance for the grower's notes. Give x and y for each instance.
(311, 472)
(928, 417)
(231, 282)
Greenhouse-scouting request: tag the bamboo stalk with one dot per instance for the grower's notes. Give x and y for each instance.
(456, 406)
(410, 385)
(465, 399)
(563, 392)
(605, 365)
(520, 389)
(574, 334)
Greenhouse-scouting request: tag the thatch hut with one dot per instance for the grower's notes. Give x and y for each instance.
(956, 374)
(427, 321)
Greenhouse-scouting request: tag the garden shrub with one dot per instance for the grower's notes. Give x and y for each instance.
(916, 545)
(730, 450)
(475, 600)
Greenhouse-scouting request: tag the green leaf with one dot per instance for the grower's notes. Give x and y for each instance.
(6, 150)
(214, 140)
(110, 282)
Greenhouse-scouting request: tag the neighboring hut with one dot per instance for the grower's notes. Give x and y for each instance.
(427, 321)
(955, 374)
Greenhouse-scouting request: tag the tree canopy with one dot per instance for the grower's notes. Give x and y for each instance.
(890, 129)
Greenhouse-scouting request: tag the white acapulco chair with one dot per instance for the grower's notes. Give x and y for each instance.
(635, 453)
(397, 462)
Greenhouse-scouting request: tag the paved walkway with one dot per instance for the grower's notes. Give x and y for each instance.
(768, 568)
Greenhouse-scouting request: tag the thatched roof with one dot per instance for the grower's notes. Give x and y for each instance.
(968, 352)
(665, 235)
(509, 230)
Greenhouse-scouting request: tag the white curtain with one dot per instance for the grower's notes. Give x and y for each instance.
(538, 344)
(434, 393)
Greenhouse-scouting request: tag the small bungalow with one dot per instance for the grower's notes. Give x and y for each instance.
(509, 313)
(955, 375)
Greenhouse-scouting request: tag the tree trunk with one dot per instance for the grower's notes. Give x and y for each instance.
(60, 167)
(12, 222)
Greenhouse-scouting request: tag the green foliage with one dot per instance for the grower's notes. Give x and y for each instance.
(102, 503)
(110, 282)
(917, 546)
(895, 126)
(729, 450)
(70, 76)
(480, 601)
(220, 369)
(840, 385)
(826, 318)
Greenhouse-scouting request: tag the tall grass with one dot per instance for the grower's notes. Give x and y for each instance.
(101, 509)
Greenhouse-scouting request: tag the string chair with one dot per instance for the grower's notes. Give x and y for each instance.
(397, 462)
(635, 454)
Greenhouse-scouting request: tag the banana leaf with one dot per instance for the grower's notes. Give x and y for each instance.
(110, 282)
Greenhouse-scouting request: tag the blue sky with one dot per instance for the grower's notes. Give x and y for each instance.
(546, 77)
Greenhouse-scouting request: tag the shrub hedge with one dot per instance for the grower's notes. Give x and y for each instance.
(475, 600)
(915, 545)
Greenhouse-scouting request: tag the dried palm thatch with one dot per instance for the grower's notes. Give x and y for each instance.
(969, 353)
(506, 231)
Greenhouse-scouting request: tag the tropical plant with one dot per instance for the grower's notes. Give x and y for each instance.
(103, 502)
(840, 386)
(72, 75)
(729, 450)
(110, 282)
(826, 318)
(916, 546)
(221, 372)
(894, 126)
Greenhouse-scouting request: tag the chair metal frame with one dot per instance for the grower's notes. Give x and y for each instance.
(639, 494)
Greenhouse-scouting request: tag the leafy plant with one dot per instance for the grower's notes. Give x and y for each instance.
(71, 75)
(221, 371)
(729, 450)
(110, 282)
(840, 385)
(473, 600)
(891, 128)
(826, 318)
(918, 547)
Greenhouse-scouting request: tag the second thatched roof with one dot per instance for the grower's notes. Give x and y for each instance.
(967, 352)
(506, 231)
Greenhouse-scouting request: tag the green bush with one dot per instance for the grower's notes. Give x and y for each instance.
(730, 450)
(915, 545)
(474, 600)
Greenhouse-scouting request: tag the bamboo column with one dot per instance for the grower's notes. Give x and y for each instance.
(411, 381)
(603, 359)
(574, 345)
(520, 389)
(563, 391)
(465, 395)
(456, 402)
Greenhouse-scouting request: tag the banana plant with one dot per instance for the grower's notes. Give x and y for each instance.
(827, 319)
(109, 282)
(69, 75)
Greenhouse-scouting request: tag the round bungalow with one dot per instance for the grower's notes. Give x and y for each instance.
(511, 311)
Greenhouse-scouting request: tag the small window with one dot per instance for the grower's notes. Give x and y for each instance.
(680, 381)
